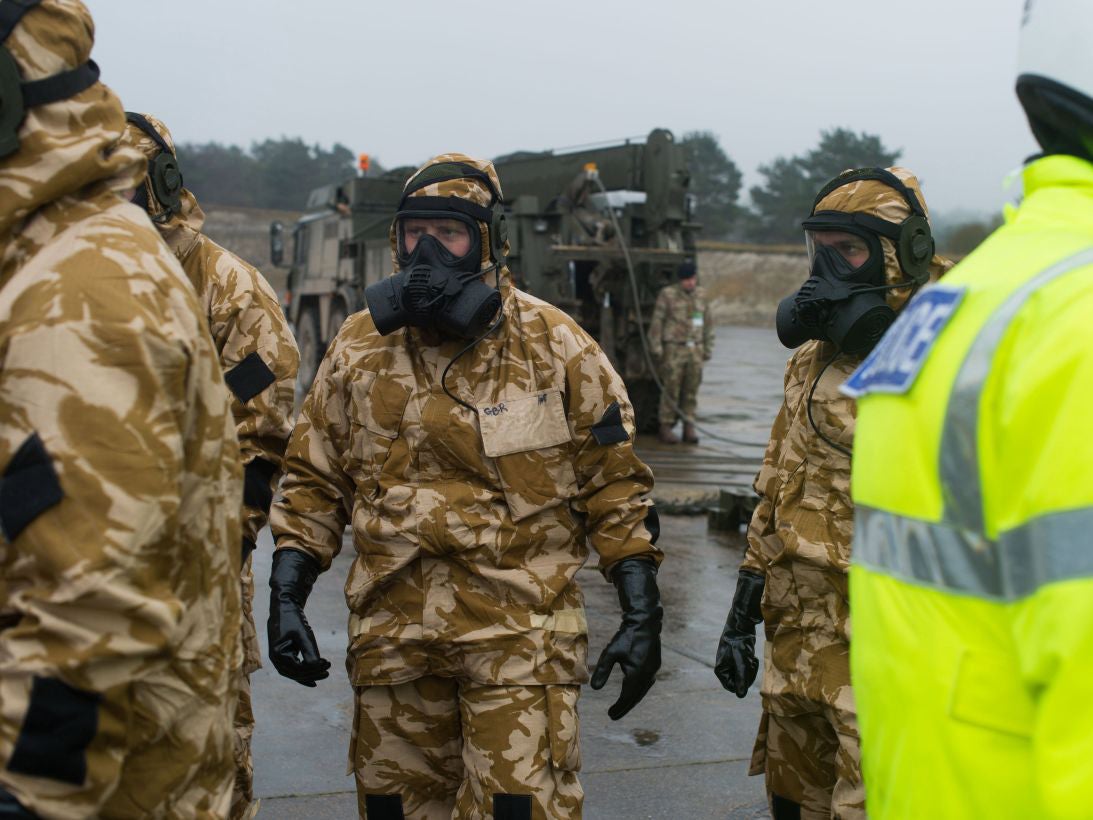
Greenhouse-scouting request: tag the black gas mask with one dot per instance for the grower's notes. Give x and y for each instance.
(164, 176)
(439, 250)
(843, 300)
(434, 287)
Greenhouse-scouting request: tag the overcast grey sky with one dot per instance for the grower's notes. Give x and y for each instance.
(406, 79)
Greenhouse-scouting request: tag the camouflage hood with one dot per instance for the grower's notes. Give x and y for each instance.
(874, 197)
(68, 145)
(469, 189)
(181, 230)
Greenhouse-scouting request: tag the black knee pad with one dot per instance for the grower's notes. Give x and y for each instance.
(782, 808)
(383, 807)
(512, 807)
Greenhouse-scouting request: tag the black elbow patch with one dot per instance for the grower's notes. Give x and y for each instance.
(783, 808)
(383, 806)
(59, 726)
(511, 806)
(249, 378)
(257, 481)
(609, 429)
(652, 523)
(28, 488)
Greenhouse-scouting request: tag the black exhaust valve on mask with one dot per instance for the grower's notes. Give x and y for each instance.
(843, 300)
(434, 288)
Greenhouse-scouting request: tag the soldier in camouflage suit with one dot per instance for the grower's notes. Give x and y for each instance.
(595, 226)
(681, 339)
(467, 631)
(259, 358)
(119, 504)
(797, 560)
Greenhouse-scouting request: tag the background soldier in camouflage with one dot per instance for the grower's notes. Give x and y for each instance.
(681, 339)
(576, 200)
(259, 359)
(119, 604)
(797, 559)
(467, 632)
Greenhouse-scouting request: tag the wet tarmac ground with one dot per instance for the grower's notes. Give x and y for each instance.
(681, 753)
(742, 388)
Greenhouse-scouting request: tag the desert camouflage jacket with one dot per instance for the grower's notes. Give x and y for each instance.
(681, 319)
(469, 527)
(259, 359)
(120, 482)
(799, 538)
(258, 355)
(800, 534)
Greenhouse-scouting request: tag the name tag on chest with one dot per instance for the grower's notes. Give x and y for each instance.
(894, 364)
(523, 423)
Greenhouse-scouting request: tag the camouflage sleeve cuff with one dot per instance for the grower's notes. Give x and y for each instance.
(752, 564)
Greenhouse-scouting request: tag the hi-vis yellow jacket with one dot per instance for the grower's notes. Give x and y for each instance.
(972, 578)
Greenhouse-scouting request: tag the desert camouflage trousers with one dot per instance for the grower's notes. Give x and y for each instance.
(812, 764)
(243, 793)
(680, 371)
(438, 748)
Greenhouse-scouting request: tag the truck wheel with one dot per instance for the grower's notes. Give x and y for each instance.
(338, 315)
(311, 348)
(645, 397)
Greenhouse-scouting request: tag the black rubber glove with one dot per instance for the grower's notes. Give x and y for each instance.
(290, 583)
(636, 646)
(736, 665)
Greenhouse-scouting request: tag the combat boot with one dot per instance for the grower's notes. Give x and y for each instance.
(666, 436)
(689, 434)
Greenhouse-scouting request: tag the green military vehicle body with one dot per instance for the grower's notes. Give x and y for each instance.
(560, 233)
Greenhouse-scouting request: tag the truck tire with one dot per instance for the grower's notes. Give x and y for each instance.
(311, 348)
(645, 397)
(338, 315)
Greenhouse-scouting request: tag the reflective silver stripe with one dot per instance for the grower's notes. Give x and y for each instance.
(961, 486)
(955, 555)
(1048, 549)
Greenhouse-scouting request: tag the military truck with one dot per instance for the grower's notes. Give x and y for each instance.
(565, 246)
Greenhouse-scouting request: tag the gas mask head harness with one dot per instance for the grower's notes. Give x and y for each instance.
(164, 174)
(843, 300)
(17, 96)
(436, 288)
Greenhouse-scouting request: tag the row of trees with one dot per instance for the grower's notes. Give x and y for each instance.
(789, 184)
(280, 173)
(272, 174)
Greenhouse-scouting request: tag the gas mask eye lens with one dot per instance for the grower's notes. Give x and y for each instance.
(853, 249)
(453, 235)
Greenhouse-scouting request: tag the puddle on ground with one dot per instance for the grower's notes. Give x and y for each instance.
(645, 737)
